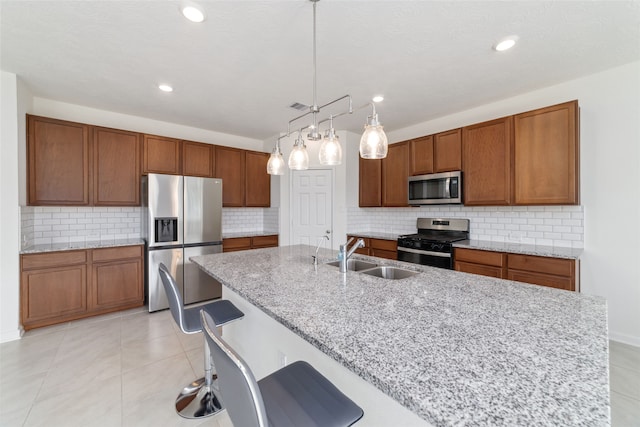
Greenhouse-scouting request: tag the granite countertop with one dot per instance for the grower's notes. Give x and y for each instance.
(455, 348)
(248, 234)
(376, 235)
(88, 244)
(524, 249)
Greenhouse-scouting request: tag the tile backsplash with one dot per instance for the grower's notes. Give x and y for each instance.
(535, 225)
(46, 225)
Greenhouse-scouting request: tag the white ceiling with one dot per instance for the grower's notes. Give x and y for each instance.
(239, 71)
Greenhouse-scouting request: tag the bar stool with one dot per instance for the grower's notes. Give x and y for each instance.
(197, 399)
(296, 395)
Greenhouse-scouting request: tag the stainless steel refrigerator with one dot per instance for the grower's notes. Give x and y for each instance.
(182, 217)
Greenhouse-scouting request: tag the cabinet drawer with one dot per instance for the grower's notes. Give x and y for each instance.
(483, 270)
(53, 259)
(236, 244)
(558, 282)
(264, 241)
(123, 252)
(480, 257)
(387, 245)
(381, 253)
(555, 266)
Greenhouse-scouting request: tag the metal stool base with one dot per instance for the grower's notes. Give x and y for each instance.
(197, 400)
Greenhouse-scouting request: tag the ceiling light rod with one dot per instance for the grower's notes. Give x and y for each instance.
(315, 109)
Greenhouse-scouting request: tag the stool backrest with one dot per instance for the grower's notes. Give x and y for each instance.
(235, 380)
(173, 295)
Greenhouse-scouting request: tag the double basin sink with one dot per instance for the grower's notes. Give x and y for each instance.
(373, 269)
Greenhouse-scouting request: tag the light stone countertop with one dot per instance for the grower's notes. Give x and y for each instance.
(376, 235)
(248, 234)
(523, 249)
(455, 348)
(88, 244)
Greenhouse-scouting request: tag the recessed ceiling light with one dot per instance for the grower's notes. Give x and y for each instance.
(378, 98)
(192, 12)
(165, 88)
(505, 44)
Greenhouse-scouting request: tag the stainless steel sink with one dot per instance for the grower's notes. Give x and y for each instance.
(388, 272)
(355, 264)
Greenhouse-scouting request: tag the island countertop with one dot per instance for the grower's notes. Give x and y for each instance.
(454, 348)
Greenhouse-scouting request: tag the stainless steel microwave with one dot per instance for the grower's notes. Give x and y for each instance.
(436, 189)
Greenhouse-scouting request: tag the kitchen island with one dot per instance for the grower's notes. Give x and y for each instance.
(450, 347)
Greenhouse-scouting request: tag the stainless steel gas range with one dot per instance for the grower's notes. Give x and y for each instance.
(432, 245)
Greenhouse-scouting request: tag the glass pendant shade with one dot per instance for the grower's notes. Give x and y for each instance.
(330, 150)
(275, 165)
(373, 144)
(299, 158)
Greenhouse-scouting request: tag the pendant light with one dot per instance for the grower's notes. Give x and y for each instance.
(330, 149)
(373, 144)
(275, 165)
(299, 158)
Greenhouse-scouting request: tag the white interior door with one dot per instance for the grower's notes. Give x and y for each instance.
(312, 207)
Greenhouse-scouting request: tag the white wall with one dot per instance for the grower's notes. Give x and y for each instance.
(610, 180)
(11, 132)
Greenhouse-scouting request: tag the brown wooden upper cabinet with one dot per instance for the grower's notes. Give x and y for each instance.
(116, 167)
(395, 173)
(421, 157)
(257, 180)
(161, 155)
(546, 156)
(447, 151)
(370, 182)
(198, 159)
(486, 149)
(58, 162)
(230, 165)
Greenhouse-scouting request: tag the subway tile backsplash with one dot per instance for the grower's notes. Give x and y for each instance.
(535, 225)
(46, 225)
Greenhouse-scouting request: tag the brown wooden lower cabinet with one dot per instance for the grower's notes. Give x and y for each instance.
(545, 271)
(485, 263)
(234, 244)
(61, 286)
(116, 275)
(381, 248)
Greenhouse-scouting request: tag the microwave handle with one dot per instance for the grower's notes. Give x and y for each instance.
(447, 188)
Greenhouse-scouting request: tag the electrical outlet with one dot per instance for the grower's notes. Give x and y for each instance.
(282, 359)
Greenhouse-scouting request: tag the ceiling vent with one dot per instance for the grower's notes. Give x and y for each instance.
(298, 106)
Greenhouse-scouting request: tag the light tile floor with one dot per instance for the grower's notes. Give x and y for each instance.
(125, 369)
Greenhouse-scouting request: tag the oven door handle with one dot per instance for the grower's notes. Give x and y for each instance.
(418, 251)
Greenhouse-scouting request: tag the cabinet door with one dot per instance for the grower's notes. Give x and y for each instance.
(53, 295)
(117, 283)
(257, 181)
(161, 155)
(546, 156)
(116, 167)
(264, 241)
(236, 244)
(421, 159)
(370, 183)
(230, 168)
(58, 162)
(487, 149)
(447, 151)
(558, 282)
(395, 173)
(117, 278)
(483, 270)
(197, 159)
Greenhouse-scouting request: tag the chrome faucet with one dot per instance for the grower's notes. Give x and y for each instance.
(320, 241)
(344, 254)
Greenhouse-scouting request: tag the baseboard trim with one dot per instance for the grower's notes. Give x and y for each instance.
(625, 339)
(8, 336)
